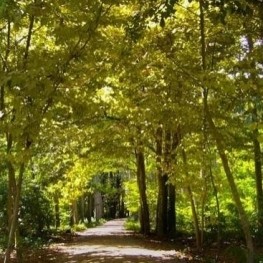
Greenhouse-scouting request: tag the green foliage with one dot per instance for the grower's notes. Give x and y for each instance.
(132, 197)
(36, 215)
(132, 224)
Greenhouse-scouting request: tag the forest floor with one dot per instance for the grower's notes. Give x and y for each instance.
(112, 243)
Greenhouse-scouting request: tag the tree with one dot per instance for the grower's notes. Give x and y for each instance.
(34, 67)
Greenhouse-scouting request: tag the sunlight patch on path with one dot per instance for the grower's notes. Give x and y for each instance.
(120, 251)
(106, 252)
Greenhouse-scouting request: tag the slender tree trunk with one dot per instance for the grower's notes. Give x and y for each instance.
(174, 140)
(256, 143)
(14, 216)
(217, 207)
(162, 204)
(258, 175)
(221, 148)
(170, 146)
(90, 207)
(98, 203)
(82, 208)
(19, 252)
(141, 181)
(195, 219)
(74, 213)
(193, 207)
(203, 202)
(236, 197)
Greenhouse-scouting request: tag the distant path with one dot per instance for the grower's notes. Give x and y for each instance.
(111, 243)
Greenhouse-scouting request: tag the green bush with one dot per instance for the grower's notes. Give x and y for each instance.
(35, 215)
(131, 224)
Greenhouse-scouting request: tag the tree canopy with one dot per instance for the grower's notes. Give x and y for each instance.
(153, 108)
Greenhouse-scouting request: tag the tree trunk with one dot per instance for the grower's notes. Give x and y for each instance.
(256, 144)
(172, 142)
(203, 201)
(89, 214)
(258, 171)
(82, 208)
(258, 175)
(217, 207)
(74, 213)
(171, 223)
(98, 203)
(162, 204)
(193, 207)
(19, 250)
(14, 203)
(195, 219)
(141, 181)
(220, 146)
(236, 197)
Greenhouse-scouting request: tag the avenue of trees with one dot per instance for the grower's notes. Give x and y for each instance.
(151, 109)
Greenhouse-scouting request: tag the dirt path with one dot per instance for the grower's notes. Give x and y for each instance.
(111, 243)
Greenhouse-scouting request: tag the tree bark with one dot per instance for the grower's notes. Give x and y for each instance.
(90, 207)
(203, 201)
(13, 220)
(258, 177)
(193, 207)
(141, 181)
(255, 134)
(98, 203)
(217, 206)
(74, 213)
(162, 204)
(82, 208)
(171, 223)
(195, 219)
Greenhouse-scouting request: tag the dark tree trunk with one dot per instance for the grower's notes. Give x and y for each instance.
(171, 223)
(90, 206)
(258, 175)
(162, 204)
(256, 144)
(258, 171)
(171, 143)
(82, 208)
(141, 181)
